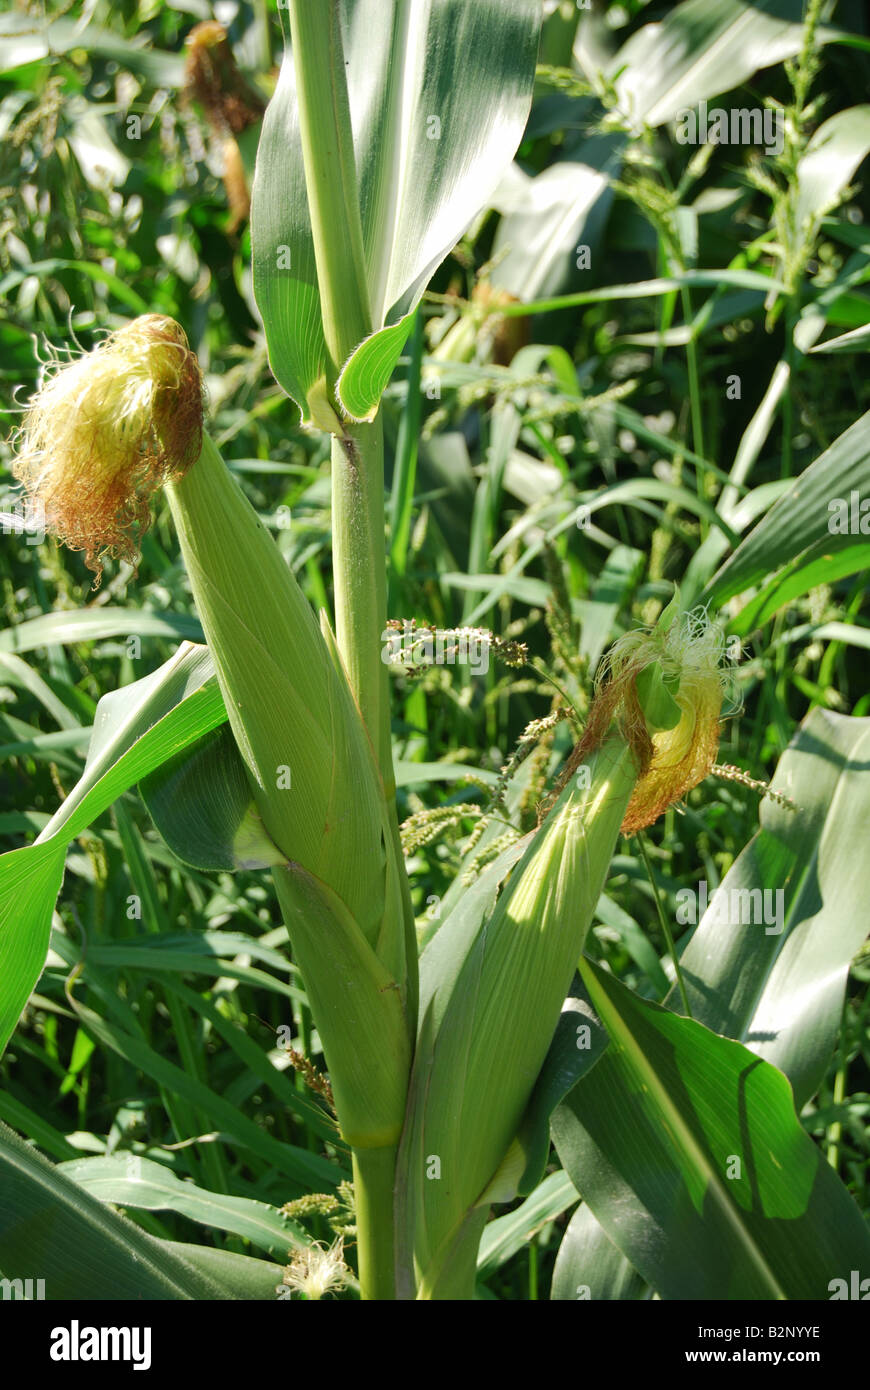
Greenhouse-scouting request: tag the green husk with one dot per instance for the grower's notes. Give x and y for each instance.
(357, 1006)
(295, 721)
(474, 1068)
(307, 753)
(653, 723)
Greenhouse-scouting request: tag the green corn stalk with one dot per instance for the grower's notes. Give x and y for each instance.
(359, 569)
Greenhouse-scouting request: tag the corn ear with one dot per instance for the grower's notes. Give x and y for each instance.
(473, 1076)
(294, 719)
(101, 435)
(318, 791)
(649, 736)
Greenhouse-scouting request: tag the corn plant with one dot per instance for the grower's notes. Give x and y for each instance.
(456, 1049)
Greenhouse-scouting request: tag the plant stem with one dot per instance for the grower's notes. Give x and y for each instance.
(694, 386)
(374, 1172)
(359, 575)
(330, 176)
(359, 567)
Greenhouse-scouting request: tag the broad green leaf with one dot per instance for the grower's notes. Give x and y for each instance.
(439, 92)
(545, 218)
(366, 374)
(32, 1126)
(589, 1266)
(89, 624)
(831, 158)
(135, 730)
(806, 332)
(781, 992)
(577, 1045)
(801, 517)
(701, 49)
(817, 565)
(506, 1235)
(237, 1276)
(687, 1149)
(129, 1180)
(200, 801)
(51, 1228)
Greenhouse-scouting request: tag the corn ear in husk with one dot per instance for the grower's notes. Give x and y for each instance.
(491, 996)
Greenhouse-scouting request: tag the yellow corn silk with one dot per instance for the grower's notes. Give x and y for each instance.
(664, 690)
(107, 429)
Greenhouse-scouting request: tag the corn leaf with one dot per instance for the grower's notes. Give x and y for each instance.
(782, 993)
(135, 729)
(831, 158)
(701, 49)
(238, 1276)
(200, 801)
(89, 624)
(128, 1180)
(545, 218)
(799, 519)
(589, 1266)
(687, 1148)
(817, 565)
(508, 1234)
(51, 1228)
(439, 93)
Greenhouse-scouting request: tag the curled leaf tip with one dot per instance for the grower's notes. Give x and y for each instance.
(107, 429)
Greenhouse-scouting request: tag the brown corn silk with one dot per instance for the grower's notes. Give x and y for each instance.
(670, 761)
